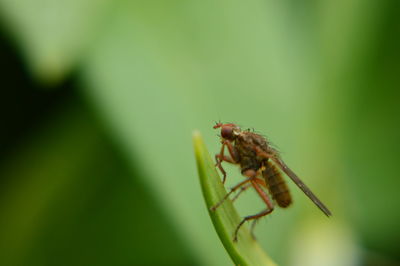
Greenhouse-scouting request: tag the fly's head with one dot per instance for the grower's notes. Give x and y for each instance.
(228, 131)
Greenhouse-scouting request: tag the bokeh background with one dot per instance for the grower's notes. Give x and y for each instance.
(99, 99)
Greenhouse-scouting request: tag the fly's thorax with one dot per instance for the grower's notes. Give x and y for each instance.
(245, 147)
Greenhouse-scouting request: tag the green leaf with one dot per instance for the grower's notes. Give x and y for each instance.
(246, 251)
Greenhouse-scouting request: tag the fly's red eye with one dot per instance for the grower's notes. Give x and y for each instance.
(227, 132)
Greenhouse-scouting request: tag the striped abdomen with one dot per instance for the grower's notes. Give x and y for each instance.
(277, 185)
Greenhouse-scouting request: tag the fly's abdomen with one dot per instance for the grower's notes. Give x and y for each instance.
(277, 185)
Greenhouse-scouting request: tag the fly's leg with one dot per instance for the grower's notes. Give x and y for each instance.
(231, 150)
(257, 216)
(251, 217)
(224, 159)
(221, 157)
(242, 189)
(213, 208)
(261, 182)
(253, 224)
(243, 186)
(218, 158)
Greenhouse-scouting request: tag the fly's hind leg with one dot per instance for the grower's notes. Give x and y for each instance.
(253, 225)
(267, 201)
(251, 217)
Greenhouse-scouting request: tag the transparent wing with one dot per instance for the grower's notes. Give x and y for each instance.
(301, 185)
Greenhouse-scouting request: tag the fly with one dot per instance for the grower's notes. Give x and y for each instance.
(261, 165)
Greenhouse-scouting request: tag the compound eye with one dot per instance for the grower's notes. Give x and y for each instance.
(227, 132)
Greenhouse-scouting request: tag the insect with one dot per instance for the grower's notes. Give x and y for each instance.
(261, 165)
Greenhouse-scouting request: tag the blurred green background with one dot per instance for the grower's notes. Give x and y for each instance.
(99, 99)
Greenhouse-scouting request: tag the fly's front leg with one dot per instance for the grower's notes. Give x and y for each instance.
(221, 157)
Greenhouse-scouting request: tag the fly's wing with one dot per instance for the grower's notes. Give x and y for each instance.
(301, 185)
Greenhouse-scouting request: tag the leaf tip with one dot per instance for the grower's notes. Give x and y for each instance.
(196, 134)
